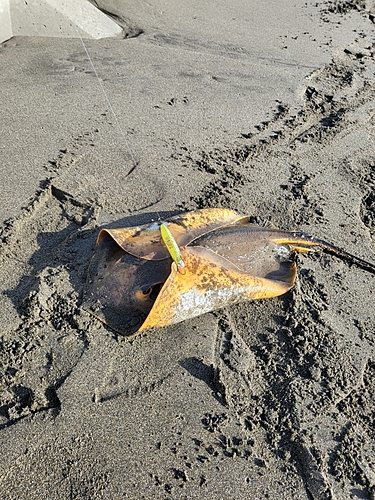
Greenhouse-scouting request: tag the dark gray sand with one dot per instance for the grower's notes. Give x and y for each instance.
(263, 107)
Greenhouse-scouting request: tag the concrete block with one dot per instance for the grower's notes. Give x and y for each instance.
(54, 18)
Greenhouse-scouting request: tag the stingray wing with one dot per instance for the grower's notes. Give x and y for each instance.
(145, 241)
(188, 227)
(208, 283)
(252, 250)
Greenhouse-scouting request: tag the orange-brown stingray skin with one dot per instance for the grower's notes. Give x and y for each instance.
(129, 261)
(205, 286)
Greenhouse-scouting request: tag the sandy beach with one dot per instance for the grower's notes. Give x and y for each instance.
(263, 107)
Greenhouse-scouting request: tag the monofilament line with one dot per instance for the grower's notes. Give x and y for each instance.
(135, 163)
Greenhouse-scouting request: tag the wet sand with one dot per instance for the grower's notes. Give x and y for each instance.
(264, 109)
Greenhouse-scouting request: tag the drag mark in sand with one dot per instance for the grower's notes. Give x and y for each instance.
(334, 102)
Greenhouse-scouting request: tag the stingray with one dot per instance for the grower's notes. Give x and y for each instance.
(160, 274)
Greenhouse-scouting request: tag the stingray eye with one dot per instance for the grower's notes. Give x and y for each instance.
(150, 293)
(143, 294)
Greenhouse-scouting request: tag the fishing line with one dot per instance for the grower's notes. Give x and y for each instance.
(127, 144)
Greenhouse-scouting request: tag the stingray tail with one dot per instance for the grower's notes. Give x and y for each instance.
(303, 242)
